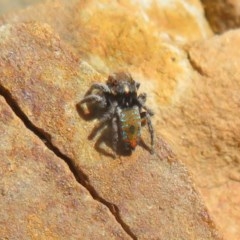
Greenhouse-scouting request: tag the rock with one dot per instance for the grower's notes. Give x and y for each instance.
(205, 126)
(145, 43)
(7, 6)
(214, 138)
(186, 24)
(222, 14)
(40, 198)
(149, 195)
(143, 31)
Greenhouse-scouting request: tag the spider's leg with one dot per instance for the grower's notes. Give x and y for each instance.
(109, 114)
(141, 102)
(115, 133)
(142, 98)
(143, 118)
(103, 120)
(99, 86)
(146, 117)
(95, 98)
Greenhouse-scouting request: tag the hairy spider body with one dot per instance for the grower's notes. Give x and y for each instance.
(124, 108)
(130, 126)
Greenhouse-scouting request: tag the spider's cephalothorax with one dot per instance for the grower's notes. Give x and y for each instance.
(124, 108)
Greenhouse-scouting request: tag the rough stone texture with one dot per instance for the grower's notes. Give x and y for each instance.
(128, 35)
(39, 196)
(204, 127)
(6, 5)
(222, 14)
(193, 111)
(148, 194)
(178, 20)
(141, 38)
(216, 93)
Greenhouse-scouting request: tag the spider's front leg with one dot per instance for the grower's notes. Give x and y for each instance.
(99, 86)
(141, 102)
(95, 98)
(106, 117)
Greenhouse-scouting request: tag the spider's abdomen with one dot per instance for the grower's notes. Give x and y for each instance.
(130, 126)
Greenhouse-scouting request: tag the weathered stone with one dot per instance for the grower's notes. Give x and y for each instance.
(214, 139)
(222, 14)
(178, 20)
(204, 127)
(39, 196)
(141, 38)
(150, 194)
(129, 36)
(6, 6)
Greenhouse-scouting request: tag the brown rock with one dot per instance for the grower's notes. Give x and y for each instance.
(222, 14)
(188, 111)
(129, 35)
(6, 6)
(149, 194)
(217, 120)
(186, 24)
(142, 38)
(39, 196)
(204, 127)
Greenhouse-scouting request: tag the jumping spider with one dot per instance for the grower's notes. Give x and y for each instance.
(124, 108)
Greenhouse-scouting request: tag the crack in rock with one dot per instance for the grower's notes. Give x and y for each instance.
(79, 175)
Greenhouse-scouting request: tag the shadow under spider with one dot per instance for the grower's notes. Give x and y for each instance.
(90, 112)
(104, 143)
(105, 140)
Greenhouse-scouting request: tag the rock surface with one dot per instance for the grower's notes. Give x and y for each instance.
(39, 196)
(188, 89)
(148, 194)
(222, 14)
(145, 43)
(205, 126)
(7, 6)
(129, 36)
(216, 93)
